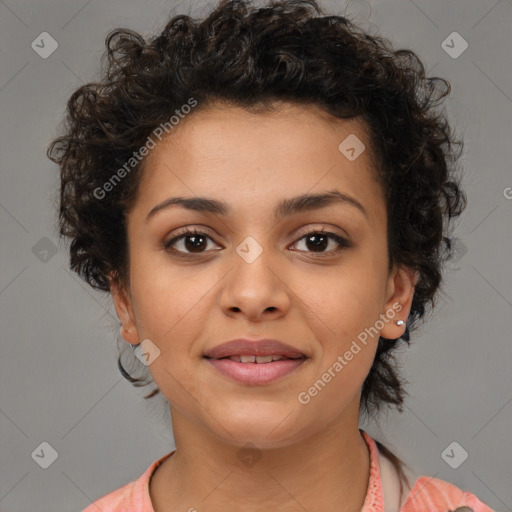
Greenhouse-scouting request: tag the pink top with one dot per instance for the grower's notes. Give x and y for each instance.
(427, 494)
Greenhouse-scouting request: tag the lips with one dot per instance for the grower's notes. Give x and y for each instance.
(263, 348)
(255, 362)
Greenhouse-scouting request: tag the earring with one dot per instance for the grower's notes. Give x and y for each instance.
(399, 322)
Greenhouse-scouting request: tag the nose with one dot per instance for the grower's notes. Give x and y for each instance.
(256, 290)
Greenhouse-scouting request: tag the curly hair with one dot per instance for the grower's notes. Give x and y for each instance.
(290, 51)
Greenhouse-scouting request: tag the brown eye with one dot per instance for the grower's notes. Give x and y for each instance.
(319, 241)
(188, 242)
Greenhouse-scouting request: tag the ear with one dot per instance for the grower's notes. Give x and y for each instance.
(399, 295)
(124, 310)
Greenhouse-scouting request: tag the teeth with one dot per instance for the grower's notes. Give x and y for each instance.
(256, 359)
(263, 359)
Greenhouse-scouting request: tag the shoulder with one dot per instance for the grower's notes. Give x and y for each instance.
(121, 499)
(132, 496)
(437, 495)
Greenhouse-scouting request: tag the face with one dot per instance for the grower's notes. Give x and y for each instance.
(314, 277)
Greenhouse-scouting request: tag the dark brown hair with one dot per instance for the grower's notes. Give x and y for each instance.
(251, 57)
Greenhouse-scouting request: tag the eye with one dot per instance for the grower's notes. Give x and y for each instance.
(193, 241)
(318, 240)
(190, 241)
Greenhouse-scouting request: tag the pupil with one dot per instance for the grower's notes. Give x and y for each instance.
(198, 242)
(321, 244)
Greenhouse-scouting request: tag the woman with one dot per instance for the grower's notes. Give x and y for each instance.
(266, 194)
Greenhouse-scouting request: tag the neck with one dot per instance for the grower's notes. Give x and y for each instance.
(326, 471)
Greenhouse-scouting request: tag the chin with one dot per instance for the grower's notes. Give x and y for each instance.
(273, 427)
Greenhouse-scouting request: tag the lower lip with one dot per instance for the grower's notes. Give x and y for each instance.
(256, 373)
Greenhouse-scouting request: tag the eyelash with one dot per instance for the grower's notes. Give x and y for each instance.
(343, 242)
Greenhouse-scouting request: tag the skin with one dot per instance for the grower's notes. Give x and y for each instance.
(318, 304)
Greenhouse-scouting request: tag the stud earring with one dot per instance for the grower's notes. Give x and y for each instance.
(399, 322)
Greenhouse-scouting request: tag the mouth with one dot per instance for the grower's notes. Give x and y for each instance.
(255, 362)
(247, 359)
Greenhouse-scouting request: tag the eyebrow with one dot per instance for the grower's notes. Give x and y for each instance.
(287, 207)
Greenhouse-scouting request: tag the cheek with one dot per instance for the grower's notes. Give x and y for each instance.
(338, 315)
(344, 301)
(171, 308)
(340, 310)
(172, 302)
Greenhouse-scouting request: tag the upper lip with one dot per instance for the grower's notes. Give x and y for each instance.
(245, 347)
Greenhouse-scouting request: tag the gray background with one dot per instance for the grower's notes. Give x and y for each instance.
(59, 381)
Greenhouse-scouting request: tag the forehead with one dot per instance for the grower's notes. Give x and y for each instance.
(240, 156)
